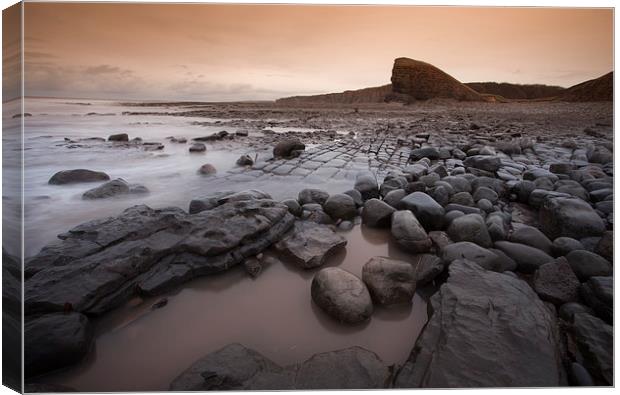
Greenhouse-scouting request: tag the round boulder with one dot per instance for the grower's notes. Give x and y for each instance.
(340, 206)
(77, 175)
(470, 227)
(389, 281)
(341, 295)
(409, 233)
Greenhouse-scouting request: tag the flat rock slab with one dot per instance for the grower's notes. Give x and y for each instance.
(236, 367)
(309, 244)
(147, 246)
(487, 329)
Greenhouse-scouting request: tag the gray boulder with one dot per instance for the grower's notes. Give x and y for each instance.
(117, 187)
(309, 195)
(555, 282)
(408, 232)
(427, 267)
(483, 162)
(394, 197)
(563, 245)
(389, 281)
(487, 330)
(598, 293)
(587, 264)
(366, 184)
(118, 137)
(293, 207)
(426, 209)
(54, 341)
(197, 148)
(595, 341)
(532, 237)
(528, 259)
(377, 214)
(288, 148)
(471, 252)
(470, 227)
(341, 295)
(569, 217)
(340, 206)
(236, 367)
(309, 244)
(78, 175)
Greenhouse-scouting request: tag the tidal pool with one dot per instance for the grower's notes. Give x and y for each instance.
(139, 348)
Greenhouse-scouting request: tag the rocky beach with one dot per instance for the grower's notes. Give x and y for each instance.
(498, 216)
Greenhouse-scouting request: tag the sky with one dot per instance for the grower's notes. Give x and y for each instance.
(263, 52)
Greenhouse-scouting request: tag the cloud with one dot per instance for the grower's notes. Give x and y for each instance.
(106, 69)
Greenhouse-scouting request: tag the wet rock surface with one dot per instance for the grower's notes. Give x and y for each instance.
(236, 367)
(141, 246)
(309, 244)
(76, 176)
(389, 281)
(484, 322)
(341, 295)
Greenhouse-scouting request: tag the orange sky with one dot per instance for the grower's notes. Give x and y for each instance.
(232, 52)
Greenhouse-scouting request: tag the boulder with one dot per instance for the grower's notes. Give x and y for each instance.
(377, 214)
(426, 209)
(394, 197)
(485, 193)
(293, 207)
(555, 282)
(532, 237)
(350, 368)
(118, 137)
(569, 217)
(366, 184)
(288, 148)
(340, 206)
(528, 259)
(470, 227)
(427, 267)
(389, 281)
(109, 189)
(598, 293)
(471, 252)
(563, 245)
(498, 225)
(356, 195)
(142, 246)
(431, 153)
(236, 367)
(197, 147)
(483, 162)
(309, 244)
(207, 202)
(605, 246)
(486, 330)
(587, 264)
(341, 295)
(245, 160)
(309, 195)
(463, 199)
(408, 232)
(595, 341)
(568, 310)
(54, 341)
(78, 175)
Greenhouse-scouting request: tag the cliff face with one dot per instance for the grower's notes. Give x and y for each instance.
(423, 81)
(599, 89)
(516, 91)
(368, 95)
